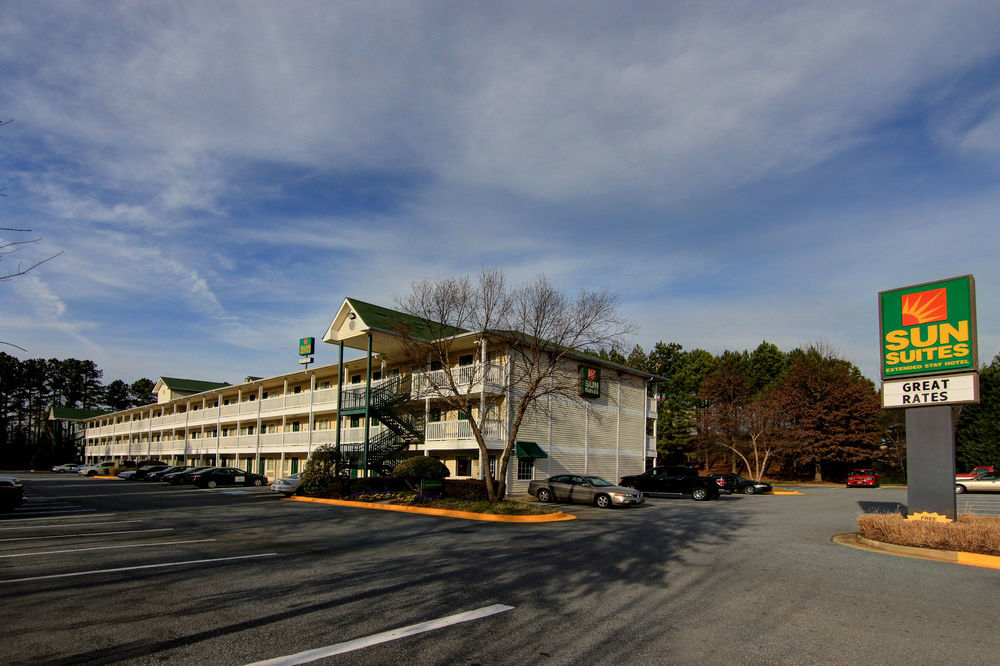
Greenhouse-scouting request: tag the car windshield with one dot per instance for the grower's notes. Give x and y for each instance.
(598, 481)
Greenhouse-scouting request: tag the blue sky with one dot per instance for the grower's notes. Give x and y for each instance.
(220, 175)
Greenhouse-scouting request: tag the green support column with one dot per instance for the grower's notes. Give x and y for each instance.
(368, 405)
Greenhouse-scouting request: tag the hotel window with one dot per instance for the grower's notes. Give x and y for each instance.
(355, 421)
(434, 416)
(249, 430)
(463, 466)
(297, 389)
(376, 375)
(525, 469)
(436, 365)
(465, 359)
(295, 426)
(263, 396)
(355, 379)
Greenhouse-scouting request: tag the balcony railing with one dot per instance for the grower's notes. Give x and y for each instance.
(476, 378)
(438, 430)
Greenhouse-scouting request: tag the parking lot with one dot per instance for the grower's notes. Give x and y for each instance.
(106, 571)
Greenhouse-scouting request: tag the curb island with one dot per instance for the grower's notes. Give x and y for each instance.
(855, 540)
(467, 515)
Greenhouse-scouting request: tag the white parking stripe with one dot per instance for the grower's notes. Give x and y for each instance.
(37, 527)
(384, 637)
(26, 520)
(145, 566)
(129, 545)
(86, 534)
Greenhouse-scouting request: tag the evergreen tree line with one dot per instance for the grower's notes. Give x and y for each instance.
(28, 390)
(803, 414)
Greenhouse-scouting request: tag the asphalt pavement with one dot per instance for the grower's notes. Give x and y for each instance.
(95, 571)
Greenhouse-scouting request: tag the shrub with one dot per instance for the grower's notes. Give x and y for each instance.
(970, 533)
(322, 470)
(416, 469)
(467, 489)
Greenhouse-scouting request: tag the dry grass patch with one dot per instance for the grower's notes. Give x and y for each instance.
(968, 534)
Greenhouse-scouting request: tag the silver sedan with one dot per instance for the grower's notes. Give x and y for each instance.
(583, 489)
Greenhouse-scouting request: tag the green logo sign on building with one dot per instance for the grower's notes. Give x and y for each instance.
(590, 382)
(928, 329)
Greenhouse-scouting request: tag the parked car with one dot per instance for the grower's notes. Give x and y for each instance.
(226, 476)
(68, 467)
(583, 489)
(143, 473)
(11, 493)
(106, 468)
(127, 474)
(184, 476)
(288, 485)
(730, 483)
(862, 478)
(976, 471)
(988, 482)
(673, 482)
(159, 474)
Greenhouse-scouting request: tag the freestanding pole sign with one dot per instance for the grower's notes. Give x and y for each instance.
(929, 363)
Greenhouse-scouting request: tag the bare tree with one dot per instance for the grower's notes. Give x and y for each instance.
(540, 329)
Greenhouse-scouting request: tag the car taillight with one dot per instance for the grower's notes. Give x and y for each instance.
(721, 482)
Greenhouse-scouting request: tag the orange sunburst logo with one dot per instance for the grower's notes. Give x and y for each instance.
(925, 306)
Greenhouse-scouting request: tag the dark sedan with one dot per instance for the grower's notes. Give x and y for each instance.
(226, 476)
(734, 483)
(673, 482)
(158, 476)
(184, 476)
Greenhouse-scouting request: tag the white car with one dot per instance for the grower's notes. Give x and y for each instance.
(989, 482)
(98, 469)
(68, 467)
(287, 485)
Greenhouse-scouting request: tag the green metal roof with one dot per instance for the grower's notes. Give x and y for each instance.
(193, 385)
(59, 413)
(376, 316)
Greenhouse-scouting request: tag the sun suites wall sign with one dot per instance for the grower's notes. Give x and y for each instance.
(929, 329)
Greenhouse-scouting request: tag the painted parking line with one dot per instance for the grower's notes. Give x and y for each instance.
(62, 525)
(17, 517)
(384, 637)
(127, 545)
(86, 534)
(138, 568)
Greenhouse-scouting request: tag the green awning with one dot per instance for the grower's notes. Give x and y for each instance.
(530, 450)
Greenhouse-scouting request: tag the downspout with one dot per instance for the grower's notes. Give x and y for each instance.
(482, 397)
(260, 407)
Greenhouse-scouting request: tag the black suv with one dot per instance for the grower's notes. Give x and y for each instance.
(672, 482)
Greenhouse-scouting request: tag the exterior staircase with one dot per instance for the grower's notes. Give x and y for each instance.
(389, 403)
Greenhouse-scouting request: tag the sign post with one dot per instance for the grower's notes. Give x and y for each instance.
(929, 363)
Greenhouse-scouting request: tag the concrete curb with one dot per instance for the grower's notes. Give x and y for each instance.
(855, 540)
(496, 518)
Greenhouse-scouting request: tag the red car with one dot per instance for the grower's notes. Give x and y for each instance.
(976, 471)
(862, 478)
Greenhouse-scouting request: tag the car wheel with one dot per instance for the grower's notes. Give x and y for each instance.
(749, 490)
(699, 494)
(91, 473)
(959, 489)
(211, 484)
(544, 495)
(602, 501)
(257, 482)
